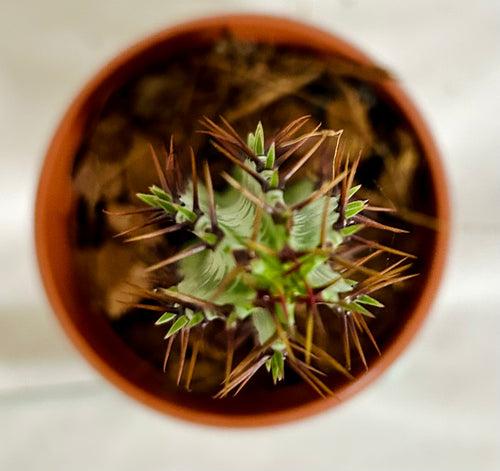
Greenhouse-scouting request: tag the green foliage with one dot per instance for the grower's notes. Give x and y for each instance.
(264, 250)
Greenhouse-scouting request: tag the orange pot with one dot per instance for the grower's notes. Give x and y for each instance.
(54, 218)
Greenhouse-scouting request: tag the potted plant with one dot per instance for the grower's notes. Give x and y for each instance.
(246, 68)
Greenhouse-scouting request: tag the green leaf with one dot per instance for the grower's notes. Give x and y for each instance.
(353, 208)
(278, 366)
(165, 317)
(350, 230)
(275, 197)
(321, 275)
(179, 324)
(271, 156)
(264, 324)
(156, 202)
(203, 272)
(167, 206)
(196, 319)
(259, 139)
(282, 315)
(355, 307)
(353, 191)
(365, 299)
(298, 191)
(336, 238)
(160, 193)
(239, 294)
(306, 227)
(272, 234)
(272, 177)
(234, 211)
(150, 200)
(331, 294)
(251, 141)
(186, 213)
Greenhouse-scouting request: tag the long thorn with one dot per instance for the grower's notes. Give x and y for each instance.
(167, 351)
(246, 193)
(325, 188)
(357, 343)
(309, 337)
(211, 197)
(159, 171)
(335, 152)
(295, 145)
(149, 222)
(194, 180)
(194, 249)
(242, 144)
(291, 129)
(347, 347)
(241, 164)
(184, 345)
(304, 159)
(377, 225)
(159, 232)
(129, 212)
(192, 361)
(186, 299)
(368, 332)
(376, 245)
(229, 355)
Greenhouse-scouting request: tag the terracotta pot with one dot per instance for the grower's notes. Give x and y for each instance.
(55, 204)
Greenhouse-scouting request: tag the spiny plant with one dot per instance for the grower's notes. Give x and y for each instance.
(274, 250)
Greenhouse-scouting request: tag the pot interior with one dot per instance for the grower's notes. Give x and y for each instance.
(164, 91)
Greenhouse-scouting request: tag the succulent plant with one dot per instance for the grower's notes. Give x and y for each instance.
(275, 250)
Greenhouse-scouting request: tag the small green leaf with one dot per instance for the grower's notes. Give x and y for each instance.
(251, 141)
(196, 319)
(330, 294)
(336, 238)
(264, 324)
(350, 230)
(365, 299)
(259, 139)
(272, 177)
(150, 200)
(167, 206)
(203, 272)
(282, 314)
(341, 285)
(275, 179)
(165, 317)
(186, 213)
(355, 307)
(353, 191)
(160, 193)
(179, 324)
(271, 156)
(353, 208)
(306, 224)
(277, 366)
(208, 237)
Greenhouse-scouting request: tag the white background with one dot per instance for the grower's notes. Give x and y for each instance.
(438, 408)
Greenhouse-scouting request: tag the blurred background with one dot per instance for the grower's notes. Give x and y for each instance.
(437, 408)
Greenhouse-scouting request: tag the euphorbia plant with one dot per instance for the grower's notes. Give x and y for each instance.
(275, 250)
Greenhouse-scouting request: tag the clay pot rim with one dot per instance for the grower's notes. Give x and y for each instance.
(332, 45)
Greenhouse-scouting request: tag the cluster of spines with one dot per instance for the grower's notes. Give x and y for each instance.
(186, 312)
